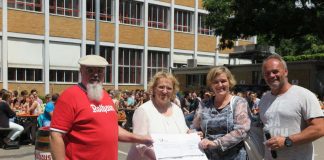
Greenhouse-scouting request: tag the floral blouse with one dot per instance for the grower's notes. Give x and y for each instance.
(225, 128)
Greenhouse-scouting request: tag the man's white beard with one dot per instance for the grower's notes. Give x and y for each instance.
(94, 91)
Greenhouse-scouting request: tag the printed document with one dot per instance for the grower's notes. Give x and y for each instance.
(177, 147)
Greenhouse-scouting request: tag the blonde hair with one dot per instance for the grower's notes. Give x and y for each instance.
(216, 71)
(159, 75)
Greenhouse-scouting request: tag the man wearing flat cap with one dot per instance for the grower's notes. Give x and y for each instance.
(84, 123)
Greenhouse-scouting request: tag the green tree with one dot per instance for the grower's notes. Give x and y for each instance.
(284, 23)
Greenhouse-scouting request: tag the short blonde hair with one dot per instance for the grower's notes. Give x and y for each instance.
(159, 75)
(216, 71)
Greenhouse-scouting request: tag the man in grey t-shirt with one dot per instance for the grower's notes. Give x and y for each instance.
(291, 114)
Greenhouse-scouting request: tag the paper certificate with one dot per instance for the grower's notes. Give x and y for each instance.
(177, 146)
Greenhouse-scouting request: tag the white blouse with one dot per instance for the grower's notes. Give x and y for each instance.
(148, 120)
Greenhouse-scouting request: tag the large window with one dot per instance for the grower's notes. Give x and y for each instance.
(196, 80)
(105, 9)
(107, 53)
(202, 27)
(25, 74)
(130, 12)
(64, 76)
(130, 66)
(30, 5)
(182, 21)
(65, 7)
(158, 17)
(157, 61)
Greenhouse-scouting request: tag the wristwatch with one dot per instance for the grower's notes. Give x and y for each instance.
(288, 142)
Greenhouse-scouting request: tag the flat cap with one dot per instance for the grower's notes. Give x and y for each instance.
(93, 61)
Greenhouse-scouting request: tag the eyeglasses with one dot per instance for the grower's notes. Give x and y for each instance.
(99, 71)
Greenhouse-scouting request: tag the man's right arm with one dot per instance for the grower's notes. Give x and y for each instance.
(57, 145)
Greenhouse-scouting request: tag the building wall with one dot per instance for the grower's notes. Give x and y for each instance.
(66, 27)
(182, 81)
(206, 43)
(70, 30)
(159, 38)
(131, 35)
(184, 41)
(25, 22)
(107, 32)
(27, 86)
(1, 19)
(187, 3)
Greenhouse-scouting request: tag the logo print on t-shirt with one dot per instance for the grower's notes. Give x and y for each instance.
(102, 108)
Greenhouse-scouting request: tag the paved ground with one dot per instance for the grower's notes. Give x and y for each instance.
(27, 152)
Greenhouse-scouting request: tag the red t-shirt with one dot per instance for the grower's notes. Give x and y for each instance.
(91, 128)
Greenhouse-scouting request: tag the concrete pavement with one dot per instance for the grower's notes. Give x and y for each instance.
(27, 152)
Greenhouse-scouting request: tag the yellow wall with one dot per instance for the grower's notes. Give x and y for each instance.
(200, 4)
(131, 35)
(243, 42)
(184, 41)
(25, 22)
(66, 27)
(188, 3)
(27, 86)
(1, 19)
(166, 1)
(206, 43)
(159, 38)
(107, 32)
(129, 88)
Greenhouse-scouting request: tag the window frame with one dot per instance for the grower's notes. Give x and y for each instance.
(156, 19)
(128, 73)
(202, 27)
(126, 15)
(36, 5)
(23, 76)
(73, 11)
(183, 21)
(156, 62)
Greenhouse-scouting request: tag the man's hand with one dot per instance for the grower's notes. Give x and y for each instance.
(275, 143)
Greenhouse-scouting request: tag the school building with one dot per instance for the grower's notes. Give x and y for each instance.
(42, 40)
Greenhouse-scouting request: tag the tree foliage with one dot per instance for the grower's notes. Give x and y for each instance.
(276, 22)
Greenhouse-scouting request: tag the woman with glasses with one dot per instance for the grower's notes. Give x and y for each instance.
(223, 119)
(158, 115)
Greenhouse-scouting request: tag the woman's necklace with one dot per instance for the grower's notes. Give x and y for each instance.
(223, 103)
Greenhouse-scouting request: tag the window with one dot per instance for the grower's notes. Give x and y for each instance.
(105, 9)
(202, 27)
(130, 12)
(107, 53)
(30, 5)
(182, 21)
(158, 17)
(130, 66)
(157, 61)
(65, 7)
(64, 76)
(25, 74)
(196, 80)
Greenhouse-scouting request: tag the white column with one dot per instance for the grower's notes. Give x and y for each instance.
(217, 51)
(46, 48)
(116, 47)
(84, 28)
(4, 55)
(255, 39)
(172, 34)
(196, 29)
(145, 52)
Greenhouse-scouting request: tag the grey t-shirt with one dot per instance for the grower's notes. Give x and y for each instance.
(287, 114)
